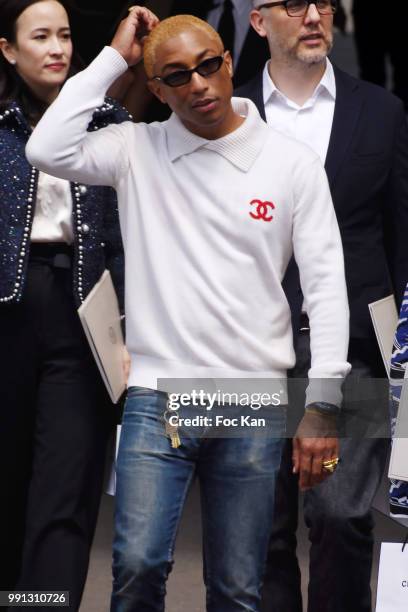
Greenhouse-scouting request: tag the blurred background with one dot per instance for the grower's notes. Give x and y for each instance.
(370, 43)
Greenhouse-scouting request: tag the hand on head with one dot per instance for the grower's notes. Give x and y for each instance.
(132, 31)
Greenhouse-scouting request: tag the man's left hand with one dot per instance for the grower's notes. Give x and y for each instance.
(316, 441)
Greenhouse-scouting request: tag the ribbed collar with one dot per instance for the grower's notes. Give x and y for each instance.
(241, 147)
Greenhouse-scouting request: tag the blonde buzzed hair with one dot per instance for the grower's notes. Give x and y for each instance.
(169, 28)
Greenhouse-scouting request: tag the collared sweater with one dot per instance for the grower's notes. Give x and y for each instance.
(208, 228)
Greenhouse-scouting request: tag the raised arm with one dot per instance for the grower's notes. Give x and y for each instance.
(60, 144)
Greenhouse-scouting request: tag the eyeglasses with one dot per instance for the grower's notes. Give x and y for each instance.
(182, 77)
(299, 8)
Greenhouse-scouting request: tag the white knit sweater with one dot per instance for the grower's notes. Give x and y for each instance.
(204, 261)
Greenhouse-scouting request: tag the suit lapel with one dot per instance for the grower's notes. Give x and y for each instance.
(254, 91)
(254, 55)
(349, 103)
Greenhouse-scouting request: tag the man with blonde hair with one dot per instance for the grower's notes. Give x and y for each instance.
(212, 205)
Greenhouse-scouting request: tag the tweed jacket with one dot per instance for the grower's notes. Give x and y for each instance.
(97, 240)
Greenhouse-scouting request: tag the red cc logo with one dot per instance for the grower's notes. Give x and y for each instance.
(262, 210)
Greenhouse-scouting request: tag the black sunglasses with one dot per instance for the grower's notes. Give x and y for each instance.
(299, 8)
(182, 77)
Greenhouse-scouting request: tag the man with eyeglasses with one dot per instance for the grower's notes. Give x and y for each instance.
(359, 132)
(212, 204)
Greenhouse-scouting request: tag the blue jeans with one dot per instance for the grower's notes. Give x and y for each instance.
(237, 479)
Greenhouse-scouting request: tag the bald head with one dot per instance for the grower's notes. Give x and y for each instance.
(170, 28)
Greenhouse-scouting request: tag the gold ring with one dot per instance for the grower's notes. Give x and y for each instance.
(331, 465)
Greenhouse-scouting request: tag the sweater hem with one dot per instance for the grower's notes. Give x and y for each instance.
(176, 377)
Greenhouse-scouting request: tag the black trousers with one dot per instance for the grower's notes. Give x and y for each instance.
(337, 513)
(55, 420)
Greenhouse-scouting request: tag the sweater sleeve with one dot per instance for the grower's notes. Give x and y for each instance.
(61, 145)
(319, 255)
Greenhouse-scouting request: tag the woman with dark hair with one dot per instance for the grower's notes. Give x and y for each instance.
(56, 239)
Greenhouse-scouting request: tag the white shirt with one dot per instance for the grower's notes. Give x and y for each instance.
(53, 211)
(208, 229)
(310, 123)
(241, 10)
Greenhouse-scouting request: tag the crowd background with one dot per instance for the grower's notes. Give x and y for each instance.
(375, 38)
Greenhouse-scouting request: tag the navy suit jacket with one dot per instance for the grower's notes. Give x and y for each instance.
(367, 168)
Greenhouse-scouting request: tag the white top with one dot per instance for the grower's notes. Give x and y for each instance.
(241, 10)
(208, 230)
(53, 211)
(310, 123)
